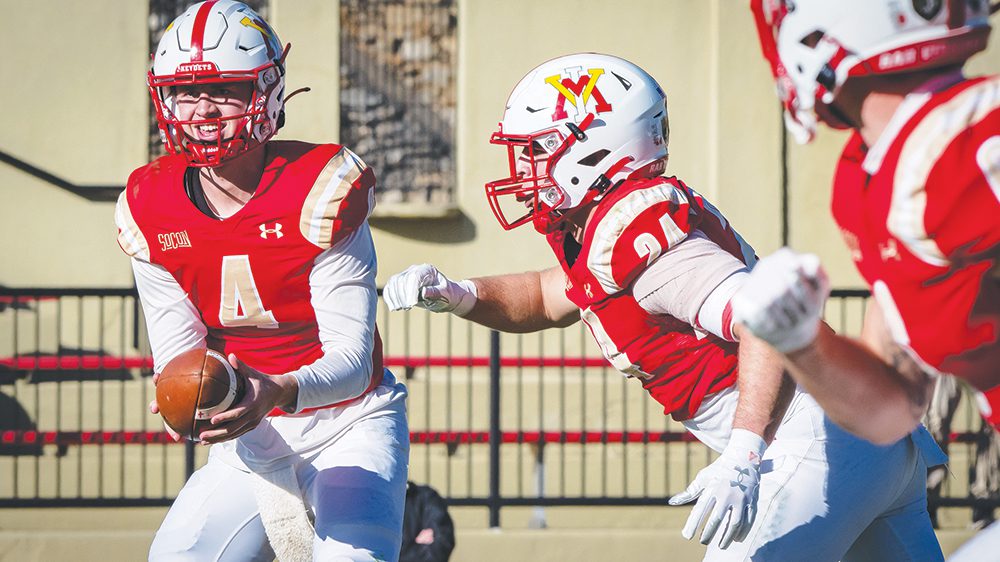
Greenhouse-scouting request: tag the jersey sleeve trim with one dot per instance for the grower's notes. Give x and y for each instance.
(130, 238)
(621, 215)
(920, 153)
(343, 173)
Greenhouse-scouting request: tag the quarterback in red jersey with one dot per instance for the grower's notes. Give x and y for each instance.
(651, 266)
(260, 249)
(916, 196)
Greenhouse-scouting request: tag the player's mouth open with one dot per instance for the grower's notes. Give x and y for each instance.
(209, 132)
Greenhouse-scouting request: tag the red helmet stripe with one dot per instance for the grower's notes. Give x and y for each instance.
(198, 33)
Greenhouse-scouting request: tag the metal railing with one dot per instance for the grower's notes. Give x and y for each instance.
(496, 419)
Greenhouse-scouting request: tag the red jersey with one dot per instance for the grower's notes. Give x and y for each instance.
(248, 274)
(921, 215)
(631, 227)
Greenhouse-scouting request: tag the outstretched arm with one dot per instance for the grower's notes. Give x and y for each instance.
(524, 302)
(871, 387)
(515, 302)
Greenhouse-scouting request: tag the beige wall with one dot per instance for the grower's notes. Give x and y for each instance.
(75, 105)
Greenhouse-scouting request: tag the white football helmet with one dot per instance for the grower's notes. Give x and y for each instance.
(214, 42)
(815, 46)
(575, 126)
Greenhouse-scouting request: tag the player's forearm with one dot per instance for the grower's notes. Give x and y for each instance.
(858, 390)
(511, 303)
(765, 390)
(173, 324)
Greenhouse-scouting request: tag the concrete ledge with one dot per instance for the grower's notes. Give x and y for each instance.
(599, 534)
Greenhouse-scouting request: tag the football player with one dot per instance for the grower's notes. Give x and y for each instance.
(915, 195)
(651, 267)
(260, 249)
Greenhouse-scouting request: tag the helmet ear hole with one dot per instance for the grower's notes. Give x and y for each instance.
(594, 158)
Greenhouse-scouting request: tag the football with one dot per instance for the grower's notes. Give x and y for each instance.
(193, 387)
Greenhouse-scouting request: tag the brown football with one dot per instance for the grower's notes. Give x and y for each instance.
(193, 387)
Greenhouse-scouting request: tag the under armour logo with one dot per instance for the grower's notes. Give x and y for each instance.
(264, 230)
(741, 473)
(586, 289)
(888, 251)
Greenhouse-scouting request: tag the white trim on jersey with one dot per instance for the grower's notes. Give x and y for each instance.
(907, 109)
(619, 217)
(988, 158)
(895, 324)
(921, 152)
(322, 204)
(910, 105)
(130, 237)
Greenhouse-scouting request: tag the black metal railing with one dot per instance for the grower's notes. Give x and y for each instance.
(496, 419)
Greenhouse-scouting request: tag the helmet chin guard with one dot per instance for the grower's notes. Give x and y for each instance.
(574, 127)
(219, 42)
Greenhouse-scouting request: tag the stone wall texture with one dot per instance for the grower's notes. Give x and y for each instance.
(397, 65)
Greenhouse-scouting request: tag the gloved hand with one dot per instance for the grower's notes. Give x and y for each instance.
(727, 489)
(424, 286)
(782, 300)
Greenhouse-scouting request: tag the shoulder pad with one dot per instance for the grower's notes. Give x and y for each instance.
(130, 201)
(950, 161)
(341, 198)
(635, 226)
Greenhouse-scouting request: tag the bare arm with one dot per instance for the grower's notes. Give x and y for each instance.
(871, 387)
(765, 389)
(523, 302)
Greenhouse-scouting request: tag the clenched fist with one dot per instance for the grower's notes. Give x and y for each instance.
(424, 286)
(782, 300)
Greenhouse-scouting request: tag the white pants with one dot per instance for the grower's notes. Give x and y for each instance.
(826, 495)
(984, 546)
(354, 488)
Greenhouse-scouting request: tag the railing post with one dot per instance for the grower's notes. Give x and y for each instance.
(494, 498)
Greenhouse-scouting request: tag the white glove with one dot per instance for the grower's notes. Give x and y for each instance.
(424, 286)
(727, 489)
(782, 299)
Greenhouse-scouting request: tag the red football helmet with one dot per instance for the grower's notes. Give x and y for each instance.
(219, 41)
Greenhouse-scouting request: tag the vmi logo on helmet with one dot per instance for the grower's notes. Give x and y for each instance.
(578, 85)
(196, 67)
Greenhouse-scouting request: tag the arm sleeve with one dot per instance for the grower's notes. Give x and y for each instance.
(693, 282)
(172, 320)
(344, 298)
